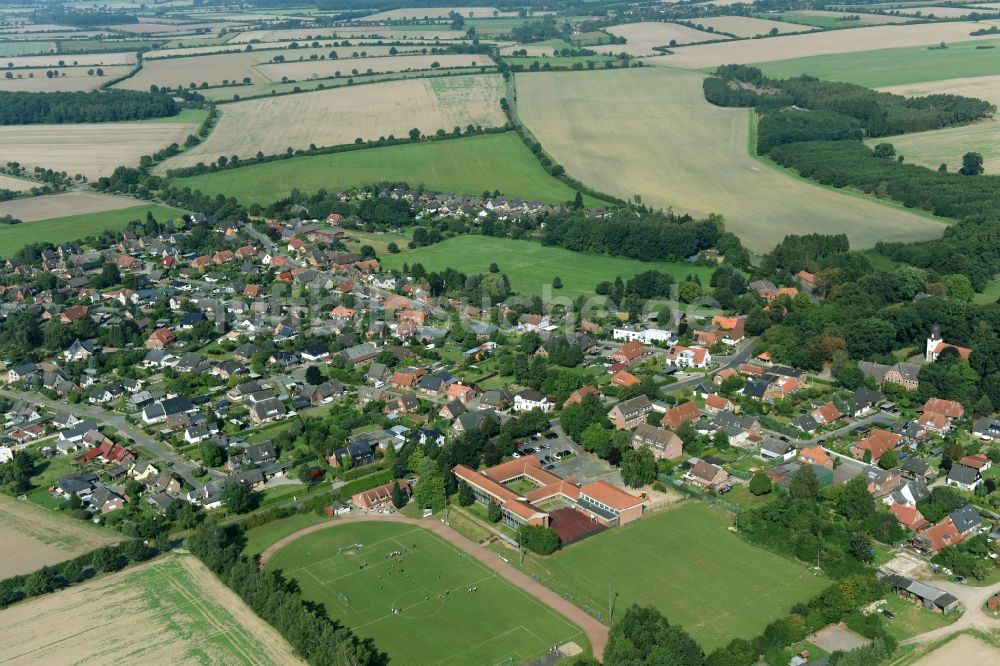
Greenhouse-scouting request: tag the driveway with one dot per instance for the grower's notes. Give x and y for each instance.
(596, 632)
(973, 598)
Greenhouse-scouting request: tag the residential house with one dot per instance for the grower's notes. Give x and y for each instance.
(527, 400)
(963, 477)
(707, 475)
(875, 444)
(630, 353)
(816, 455)
(688, 357)
(379, 498)
(678, 415)
(160, 338)
(664, 444)
(472, 420)
(630, 413)
(881, 482)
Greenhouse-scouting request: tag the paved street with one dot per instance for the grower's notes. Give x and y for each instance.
(118, 421)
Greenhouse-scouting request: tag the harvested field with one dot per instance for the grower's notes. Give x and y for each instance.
(342, 33)
(899, 66)
(647, 131)
(164, 29)
(212, 69)
(17, 48)
(16, 184)
(317, 69)
(32, 537)
(965, 649)
(339, 116)
(53, 60)
(69, 79)
(266, 52)
(533, 50)
(743, 26)
(819, 43)
(946, 146)
(91, 149)
(60, 205)
(433, 13)
(172, 610)
(642, 37)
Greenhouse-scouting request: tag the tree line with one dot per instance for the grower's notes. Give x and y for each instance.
(23, 108)
(305, 625)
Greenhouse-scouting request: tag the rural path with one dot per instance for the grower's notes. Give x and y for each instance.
(973, 598)
(596, 632)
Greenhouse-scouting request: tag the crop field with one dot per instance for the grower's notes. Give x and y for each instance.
(433, 13)
(943, 12)
(531, 266)
(647, 131)
(230, 94)
(172, 610)
(440, 621)
(69, 79)
(311, 69)
(361, 32)
(59, 205)
(744, 26)
(829, 19)
(18, 48)
(816, 44)
(642, 37)
(54, 60)
(946, 146)
(76, 226)
(211, 69)
(734, 593)
(32, 537)
(470, 165)
(91, 149)
(341, 115)
(16, 184)
(266, 52)
(898, 66)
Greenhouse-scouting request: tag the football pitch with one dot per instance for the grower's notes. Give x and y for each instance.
(419, 598)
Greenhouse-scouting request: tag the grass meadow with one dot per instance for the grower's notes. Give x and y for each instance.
(686, 563)
(76, 227)
(896, 66)
(440, 622)
(469, 165)
(530, 265)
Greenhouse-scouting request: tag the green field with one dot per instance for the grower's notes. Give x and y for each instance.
(897, 66)
(470, 165)
(76, 227)
(440, 621)
(260, 538)
(687, 564)
(990, 293)
(19, 48)
(558, 61)
(947, 146)
(530, 265)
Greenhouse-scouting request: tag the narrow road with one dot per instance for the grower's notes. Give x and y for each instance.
(742, 355)
(596, 632)
(973, 598)
(119, 422)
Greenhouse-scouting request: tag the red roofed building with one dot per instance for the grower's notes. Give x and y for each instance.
(577, 396)
(816, 455)
(624, 378)
(610, 504)
(677, 416)
(380, 497)
(716, 403)
(630, 353)
(826, 414)
(908, 516)
(160, 338)
(949, 408)
(877, 443)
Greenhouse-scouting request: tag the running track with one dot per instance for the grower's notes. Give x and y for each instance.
(596, 632)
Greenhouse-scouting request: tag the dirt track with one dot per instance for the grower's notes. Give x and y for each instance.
(596, 632)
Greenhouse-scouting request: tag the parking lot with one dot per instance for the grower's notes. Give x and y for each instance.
(584, 466)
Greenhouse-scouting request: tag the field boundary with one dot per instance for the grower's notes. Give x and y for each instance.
(596, 632)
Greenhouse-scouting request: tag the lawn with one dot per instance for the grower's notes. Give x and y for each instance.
(990, 293)
(470, 165)
(76, 227)
(530, 266)
(912, 620)
(896, 66)
(260, 538)
(685, 562)
(440, 622)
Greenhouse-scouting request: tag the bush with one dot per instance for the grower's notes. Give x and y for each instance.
(538, 539)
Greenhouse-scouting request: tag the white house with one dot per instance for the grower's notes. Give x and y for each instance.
(645, 336)
(525, 401)
(689, 357)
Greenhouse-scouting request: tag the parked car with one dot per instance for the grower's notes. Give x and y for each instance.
(516, 454)
(552, 435)
(889, 614)
(527, 451)
(550, 467)
(565, 452)
(960, 580)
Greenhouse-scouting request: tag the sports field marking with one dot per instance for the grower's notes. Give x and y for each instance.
(288, 572)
